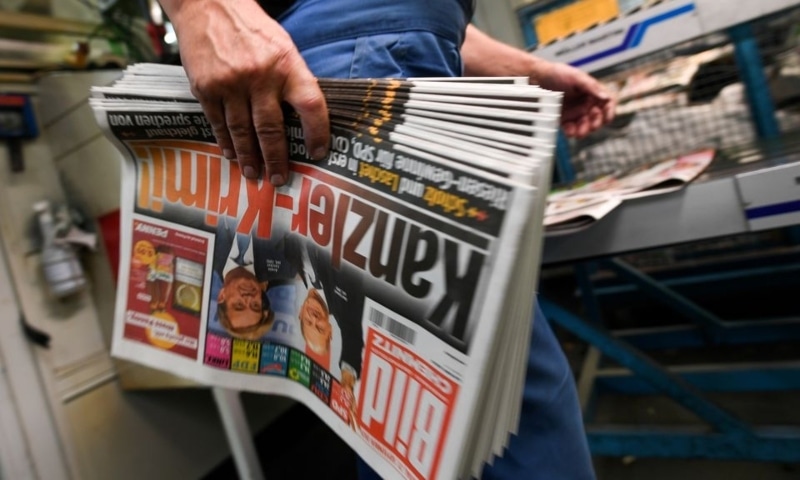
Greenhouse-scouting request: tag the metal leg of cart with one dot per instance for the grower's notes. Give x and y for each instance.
(588, 373)
(706, 328)
(238, 432)
(727, 438)
(751, 70)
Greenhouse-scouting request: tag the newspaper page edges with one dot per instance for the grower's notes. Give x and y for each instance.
(355, 285)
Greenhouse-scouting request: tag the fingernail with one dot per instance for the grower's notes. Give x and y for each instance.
(229, 154)
(276, 180)
(249, 171)
(319, 153)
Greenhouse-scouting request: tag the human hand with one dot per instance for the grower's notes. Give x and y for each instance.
(349, 378)
(587, 104)
(241, 65)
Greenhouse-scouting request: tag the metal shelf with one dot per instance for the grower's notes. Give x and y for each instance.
(46, 24)
(711, 207)
(749, 188)
(650, 29)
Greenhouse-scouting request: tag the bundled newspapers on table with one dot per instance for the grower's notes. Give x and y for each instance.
(388, 287)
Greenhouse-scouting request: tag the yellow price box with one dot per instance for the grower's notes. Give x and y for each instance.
(245, 355)
(574, 18)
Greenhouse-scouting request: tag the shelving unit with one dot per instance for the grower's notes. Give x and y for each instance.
(71, 411)
(759, 178)
(42, 23)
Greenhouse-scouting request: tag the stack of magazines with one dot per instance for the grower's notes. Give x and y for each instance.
(389, 287)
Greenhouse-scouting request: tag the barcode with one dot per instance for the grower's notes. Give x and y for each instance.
(392, 326)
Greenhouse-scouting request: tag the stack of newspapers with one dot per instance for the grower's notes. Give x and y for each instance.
(389, 287)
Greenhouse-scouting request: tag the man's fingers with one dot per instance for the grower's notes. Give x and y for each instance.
(302, 92)
(609, 110)
(240, 128)
(215, 113)
(602, 96)
(608, 104)
(583, 127)
(267, 121)
(590, 85)
(585, 124)
(595, 118)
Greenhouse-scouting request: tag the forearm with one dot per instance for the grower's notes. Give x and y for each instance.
(173, 8)
(587, 104)
(483, 56)
(182, 12)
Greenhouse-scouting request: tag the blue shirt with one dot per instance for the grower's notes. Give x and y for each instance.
(318, 22)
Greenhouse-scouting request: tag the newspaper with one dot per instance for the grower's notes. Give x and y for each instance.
(388, 287)
(576, 208)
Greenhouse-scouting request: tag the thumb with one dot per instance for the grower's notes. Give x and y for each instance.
(590, 85)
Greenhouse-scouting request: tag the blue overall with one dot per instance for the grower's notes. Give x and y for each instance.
(416, 38)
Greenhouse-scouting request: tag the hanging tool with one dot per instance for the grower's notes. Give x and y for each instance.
(17, 122)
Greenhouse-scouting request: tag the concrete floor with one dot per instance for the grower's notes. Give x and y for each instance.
(298, 432)
(757, 408)
(658, 469)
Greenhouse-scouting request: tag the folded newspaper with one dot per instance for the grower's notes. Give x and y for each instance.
(388, 287)
(577, 207)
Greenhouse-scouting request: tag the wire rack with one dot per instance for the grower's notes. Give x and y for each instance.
(689, 97)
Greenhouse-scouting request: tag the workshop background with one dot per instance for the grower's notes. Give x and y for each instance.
(679, 313)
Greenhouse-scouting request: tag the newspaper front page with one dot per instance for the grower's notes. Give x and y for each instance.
(371, 287)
